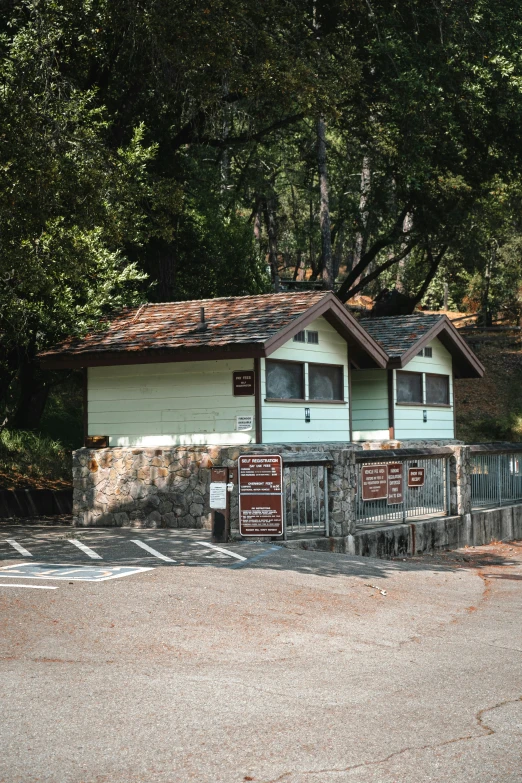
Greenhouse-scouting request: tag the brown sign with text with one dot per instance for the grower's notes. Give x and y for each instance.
(260, 495)
(395, 483)
(374, 480)
(244, 383)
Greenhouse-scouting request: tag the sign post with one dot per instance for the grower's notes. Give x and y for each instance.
(260, 495)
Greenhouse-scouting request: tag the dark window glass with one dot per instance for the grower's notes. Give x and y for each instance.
(428, 352)
(284, 380)
(437, 389)
(409, 387)
(299, 337)
(325, 382)
(313, 337)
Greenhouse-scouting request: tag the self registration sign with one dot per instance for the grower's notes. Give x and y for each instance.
(260, 495)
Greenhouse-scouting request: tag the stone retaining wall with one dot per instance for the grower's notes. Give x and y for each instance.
(169, 487)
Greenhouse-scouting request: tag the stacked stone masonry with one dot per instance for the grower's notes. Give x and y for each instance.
(169, 487)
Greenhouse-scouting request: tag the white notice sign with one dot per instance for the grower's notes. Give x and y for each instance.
(218, 495)
(244, 423)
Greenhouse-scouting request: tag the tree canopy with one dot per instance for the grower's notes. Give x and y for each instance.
(170, 149)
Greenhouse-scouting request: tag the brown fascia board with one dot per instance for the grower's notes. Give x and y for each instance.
(152, 356)
(336, 315)
(466, 363)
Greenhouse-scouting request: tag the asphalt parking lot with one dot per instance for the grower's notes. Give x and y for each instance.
(286, 666)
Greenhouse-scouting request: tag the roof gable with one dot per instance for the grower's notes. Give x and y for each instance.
(403, 336)
(233, 327)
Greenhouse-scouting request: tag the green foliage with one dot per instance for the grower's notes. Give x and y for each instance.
(29, 459)
(142, 144)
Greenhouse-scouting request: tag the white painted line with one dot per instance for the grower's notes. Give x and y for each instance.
(19, 548)
(86, 549)
(32, 587)
(220, 549)
(152, 551)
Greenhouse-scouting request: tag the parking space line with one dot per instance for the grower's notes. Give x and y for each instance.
(86, 549)
(32, 587)
(256, 557)
(220, 549)
(152, 551)
(19, 548)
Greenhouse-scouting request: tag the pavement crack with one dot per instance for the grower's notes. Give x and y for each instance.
(481, 713)
(338, 770)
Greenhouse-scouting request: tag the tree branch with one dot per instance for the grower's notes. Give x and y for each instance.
(382, 268)
(392, 236)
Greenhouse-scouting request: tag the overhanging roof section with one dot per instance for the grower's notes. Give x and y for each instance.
(403, 336)
(233, 328)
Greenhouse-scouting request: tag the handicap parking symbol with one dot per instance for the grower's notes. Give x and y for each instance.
(82, 573)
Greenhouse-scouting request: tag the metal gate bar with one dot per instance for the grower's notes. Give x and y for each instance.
(496, 479)
(305, 494)
(421, 502)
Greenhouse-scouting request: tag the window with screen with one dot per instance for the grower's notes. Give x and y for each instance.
(299, 337)
(428, 352)
(313, 338)
(437, 390)
(325, 382)
(409, 387)
(284, 380)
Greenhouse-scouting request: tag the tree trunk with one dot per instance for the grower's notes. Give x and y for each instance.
(361, 235)
(271, 230)
(324, 210)
(32, 396)
(407, 226)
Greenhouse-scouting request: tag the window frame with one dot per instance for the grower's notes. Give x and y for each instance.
(409, 372)
(303, 381)
(323, 364)
(306, 384)
(437, 404)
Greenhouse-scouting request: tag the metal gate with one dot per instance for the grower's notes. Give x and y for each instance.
(496, 479)
(305, 494)
(419, 502)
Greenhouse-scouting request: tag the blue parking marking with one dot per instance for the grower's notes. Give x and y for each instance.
(255, 558)
(70, 572)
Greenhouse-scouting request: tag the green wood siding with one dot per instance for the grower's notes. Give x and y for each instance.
(408, 418)
(370, 405)
(285, 422)
(181, 403)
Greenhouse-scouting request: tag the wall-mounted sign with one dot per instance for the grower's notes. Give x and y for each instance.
(244, 382)
(218, 495)
(260, 495)
(244, 423)
(374, 480)
(395, 483)
(416, 477)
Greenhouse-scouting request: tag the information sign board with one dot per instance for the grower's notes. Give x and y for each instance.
(416, 477)
(244, 423)
(395, 483)
(218, 495)
(260, 495)
(244, 383)
(374, 480)
(260, 473)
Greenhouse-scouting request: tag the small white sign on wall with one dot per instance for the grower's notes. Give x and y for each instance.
(218, 495)
(244, 423)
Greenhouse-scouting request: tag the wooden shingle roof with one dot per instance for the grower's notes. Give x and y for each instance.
(403, 336)
(397, 334)
(233, 327)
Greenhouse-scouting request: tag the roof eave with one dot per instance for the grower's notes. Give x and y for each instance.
(152, 356)
(336, 314)
(469, 366)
